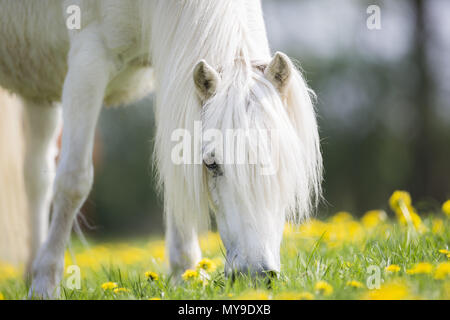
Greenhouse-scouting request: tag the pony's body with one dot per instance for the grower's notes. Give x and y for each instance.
(111, 60)
(36, 42)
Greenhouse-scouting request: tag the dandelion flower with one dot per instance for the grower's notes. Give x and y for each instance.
(446, 208)
(390, 291)
(109, 286)
(444, 251)
(409, 215)
(121, 290)
(442, 271)
(324, 288)
(150, 275)
(421, 268)
(398, 198)
(342, 216)
(2, 297)
(401, 203)
(190, 274)
(155, 298)
(207, 264)
(354, 284)
(392, 268)
(373, 218)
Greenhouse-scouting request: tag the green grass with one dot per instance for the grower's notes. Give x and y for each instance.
(336, 251)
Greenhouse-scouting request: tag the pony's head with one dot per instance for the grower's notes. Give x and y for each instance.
(261, 155)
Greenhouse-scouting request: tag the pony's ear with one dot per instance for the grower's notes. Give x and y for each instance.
(206, 80)
(279, 71)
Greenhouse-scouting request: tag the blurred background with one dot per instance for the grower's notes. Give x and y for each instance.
(383, 106)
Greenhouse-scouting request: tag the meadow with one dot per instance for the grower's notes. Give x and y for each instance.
(400, 254)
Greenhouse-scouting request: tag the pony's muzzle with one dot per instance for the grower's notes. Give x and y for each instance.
(260, 271)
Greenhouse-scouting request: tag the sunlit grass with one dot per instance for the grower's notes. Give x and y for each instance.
(337, 258)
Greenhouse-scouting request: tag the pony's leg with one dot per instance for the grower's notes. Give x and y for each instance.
(42, 128)
(89, 72)
(183, 246)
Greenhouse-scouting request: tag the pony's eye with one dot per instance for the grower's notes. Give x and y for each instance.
(212, 166)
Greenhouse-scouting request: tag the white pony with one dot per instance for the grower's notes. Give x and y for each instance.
(211, 63)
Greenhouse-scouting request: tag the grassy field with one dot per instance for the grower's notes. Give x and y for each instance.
(376, 257)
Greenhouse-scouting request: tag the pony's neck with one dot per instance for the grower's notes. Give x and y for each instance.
(258, 42)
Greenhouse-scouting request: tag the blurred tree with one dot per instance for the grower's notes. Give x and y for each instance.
(424, 145)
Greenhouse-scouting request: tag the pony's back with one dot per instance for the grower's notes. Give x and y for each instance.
(13, 209)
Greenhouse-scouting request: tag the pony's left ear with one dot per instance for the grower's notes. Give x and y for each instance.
(279, 72)
(206, 80)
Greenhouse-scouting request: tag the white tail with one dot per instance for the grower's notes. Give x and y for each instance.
(14, 228)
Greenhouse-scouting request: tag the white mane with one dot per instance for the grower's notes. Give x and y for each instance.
(234, 32)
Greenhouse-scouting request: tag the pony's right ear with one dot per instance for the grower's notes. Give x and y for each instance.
(279, 72)
(206, 80)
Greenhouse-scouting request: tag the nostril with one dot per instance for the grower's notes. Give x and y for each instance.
(271, 274)
(260, 272)
(269, 277)
(263, 269)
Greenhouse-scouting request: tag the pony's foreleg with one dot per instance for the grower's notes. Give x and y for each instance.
(41, 132)
(182, 245)
(84, 88)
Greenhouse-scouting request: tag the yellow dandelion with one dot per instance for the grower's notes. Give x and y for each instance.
(373, 218)
(207, 264)
(401, 203)
(121, 290)
(442, 271)
(324, 288)
(389, 291)
(392, 268)
(407, 215)
(415, 218)
(2, 297)
(295, 296)
(446, 208)
(253, 295)
(444, 251)
(421, 268)
(341, 216)
(190, 274)
(155, 299)
(109, 286)
(355, 284)
(399, 198)
(150, 275)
